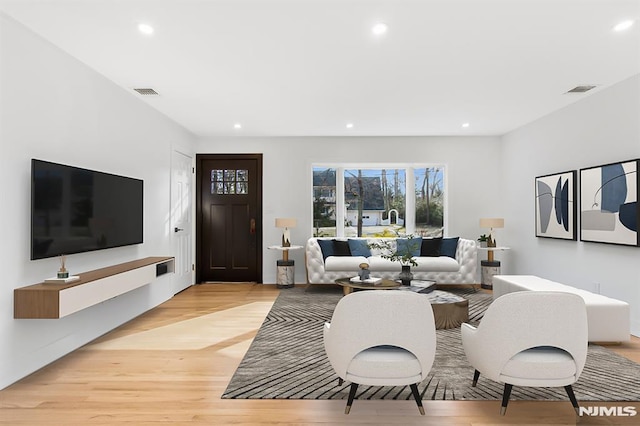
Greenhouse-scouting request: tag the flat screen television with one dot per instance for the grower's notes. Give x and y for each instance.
(76, 210)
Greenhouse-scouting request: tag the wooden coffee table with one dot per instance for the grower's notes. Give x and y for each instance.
(348, 285)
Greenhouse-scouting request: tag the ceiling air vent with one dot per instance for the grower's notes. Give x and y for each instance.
(146, 92)
(581, 89)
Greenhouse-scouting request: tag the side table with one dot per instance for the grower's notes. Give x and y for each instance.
(489, 267)
(285, 277)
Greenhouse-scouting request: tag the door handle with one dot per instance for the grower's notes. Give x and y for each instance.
(176, 229)
(252, 226)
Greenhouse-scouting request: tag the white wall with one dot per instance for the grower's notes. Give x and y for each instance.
(473, 166)
(54, 108)
(603, 128)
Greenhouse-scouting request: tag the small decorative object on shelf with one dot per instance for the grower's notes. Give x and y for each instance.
(483, 240)
(364, 272)
(63, 273)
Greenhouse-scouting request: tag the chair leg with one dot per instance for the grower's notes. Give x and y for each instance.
(352, 394)
(340, 381)
(572, 398)
(505, 398)
(416, 396)
(476, 376)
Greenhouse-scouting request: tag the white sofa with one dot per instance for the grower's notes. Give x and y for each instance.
(442, 269)
(608, 319)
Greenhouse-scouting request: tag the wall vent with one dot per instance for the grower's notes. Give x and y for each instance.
(581, 89)
(146, 91)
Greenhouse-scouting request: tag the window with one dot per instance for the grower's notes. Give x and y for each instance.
(385, 200)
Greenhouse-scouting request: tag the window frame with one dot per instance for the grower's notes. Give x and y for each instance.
(410, 193)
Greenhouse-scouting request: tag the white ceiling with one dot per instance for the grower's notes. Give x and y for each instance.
(308, 67)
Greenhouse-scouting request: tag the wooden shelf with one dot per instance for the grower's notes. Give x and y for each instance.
(56, 300)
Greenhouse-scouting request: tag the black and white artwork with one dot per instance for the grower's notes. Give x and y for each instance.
(556, 206)
(609, 203)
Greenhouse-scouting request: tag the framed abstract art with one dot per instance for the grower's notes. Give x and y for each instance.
(556, 206)
(609, 203)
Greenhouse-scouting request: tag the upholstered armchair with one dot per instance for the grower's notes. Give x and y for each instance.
(381, 338)
(530, 338)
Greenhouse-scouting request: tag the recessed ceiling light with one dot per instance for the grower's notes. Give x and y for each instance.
(237, 126)
(349, 125)
(379, 29)
(145, 29)
(624, 25)
(465, 125)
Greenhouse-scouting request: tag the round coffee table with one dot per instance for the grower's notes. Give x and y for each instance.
(348, 285)
(449, 310)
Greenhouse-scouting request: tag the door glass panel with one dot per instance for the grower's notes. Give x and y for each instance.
(242, 188)
(230, 181)
(242, 175)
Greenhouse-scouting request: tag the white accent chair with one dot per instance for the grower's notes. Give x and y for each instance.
(381, 338)
(536, 339)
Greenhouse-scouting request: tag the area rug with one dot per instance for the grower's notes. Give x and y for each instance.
(287, 361)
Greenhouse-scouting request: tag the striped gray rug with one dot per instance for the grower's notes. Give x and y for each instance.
(287, 361)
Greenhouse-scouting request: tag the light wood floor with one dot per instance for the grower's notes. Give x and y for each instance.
(171, 365)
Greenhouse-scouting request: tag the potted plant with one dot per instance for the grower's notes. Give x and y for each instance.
(483, 240)
(403, 255)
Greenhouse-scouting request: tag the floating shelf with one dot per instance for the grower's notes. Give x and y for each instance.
(57, 300)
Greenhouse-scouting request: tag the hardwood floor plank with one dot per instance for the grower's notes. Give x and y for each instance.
(172, 364)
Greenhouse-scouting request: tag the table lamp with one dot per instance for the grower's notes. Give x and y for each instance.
(491, 223)
(286, 223)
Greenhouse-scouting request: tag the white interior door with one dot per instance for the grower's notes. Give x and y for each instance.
(181, 219)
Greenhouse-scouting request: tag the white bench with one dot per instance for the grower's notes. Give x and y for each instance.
(609, 319)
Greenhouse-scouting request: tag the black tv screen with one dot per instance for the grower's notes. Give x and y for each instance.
(75, 210)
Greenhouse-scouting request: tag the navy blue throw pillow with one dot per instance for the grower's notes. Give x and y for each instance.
(341, 248)
(449, 247)
(359, 248)
(409, 245)
(431, 247)
(326, 246)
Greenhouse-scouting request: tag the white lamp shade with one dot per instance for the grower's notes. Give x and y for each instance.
(286, 222)
(492, 222)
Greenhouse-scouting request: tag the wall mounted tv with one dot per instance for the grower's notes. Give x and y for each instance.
(75, 210)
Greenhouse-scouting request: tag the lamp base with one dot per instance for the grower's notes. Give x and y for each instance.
(285, 277)
(488, 270)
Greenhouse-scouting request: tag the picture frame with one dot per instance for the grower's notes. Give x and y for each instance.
(556, 205)
(609, 210)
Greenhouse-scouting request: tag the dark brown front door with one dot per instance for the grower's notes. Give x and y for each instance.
(229, 216)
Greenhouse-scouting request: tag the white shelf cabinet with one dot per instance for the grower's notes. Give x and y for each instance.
(57, 300)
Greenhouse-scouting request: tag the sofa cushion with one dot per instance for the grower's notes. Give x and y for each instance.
(449, 247)
(377, 263)
(341, 248)
(436, 264)
(426, 264)
(409, 245)
(344, 263)
(326, 246)
(359, 248)
(431, 247)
